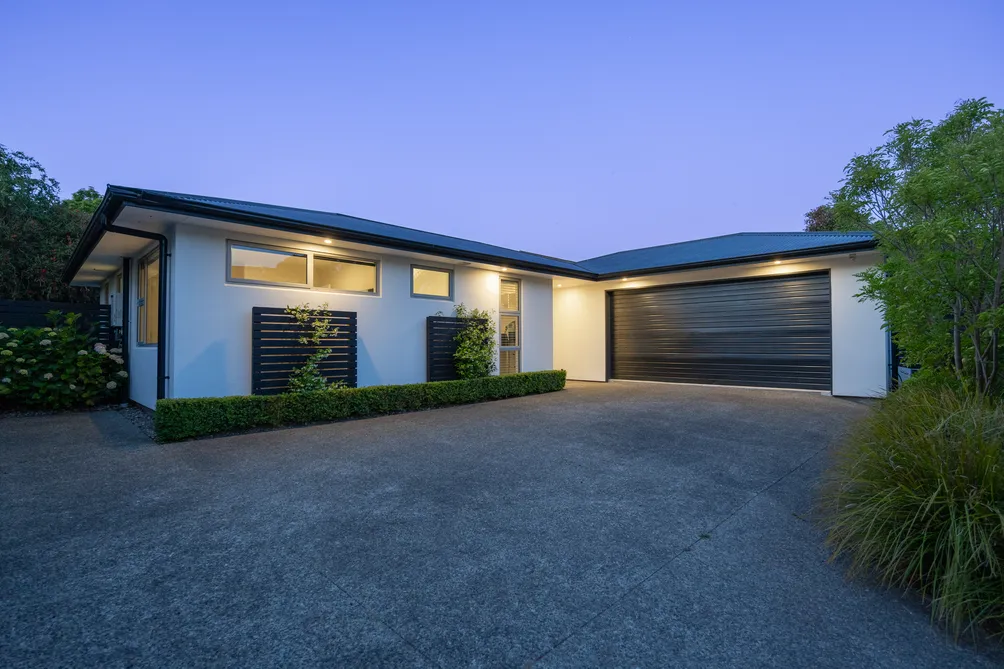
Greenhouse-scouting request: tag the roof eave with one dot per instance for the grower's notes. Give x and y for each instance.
(111, 205)
(833, 249)
(117, 197)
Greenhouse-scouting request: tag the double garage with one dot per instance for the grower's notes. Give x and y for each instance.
(769, 332)
(797, 324)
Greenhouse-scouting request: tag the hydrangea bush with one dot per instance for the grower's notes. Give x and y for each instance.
(58, 367)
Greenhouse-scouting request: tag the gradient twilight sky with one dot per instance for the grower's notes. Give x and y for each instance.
(572, 129)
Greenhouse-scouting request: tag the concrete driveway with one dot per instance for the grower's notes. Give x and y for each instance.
(606, 525)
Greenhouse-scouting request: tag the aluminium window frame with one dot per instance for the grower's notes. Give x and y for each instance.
(519, 324)
(310, 255)
(426, 296)
(252, 246)
(141, 296)
(347, 259)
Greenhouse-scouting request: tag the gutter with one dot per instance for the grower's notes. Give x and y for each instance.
(117, 197)
(835, 249)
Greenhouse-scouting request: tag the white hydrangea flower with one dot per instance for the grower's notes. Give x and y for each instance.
(115, 350)
(11, 329)
(100, 349)
(46, 329)
(12, 344)
(124, 374)
(47, 376)
(5, 379)
(23, 372)
(81, 352)
(117, 358)
(6, 352)
(4, 335)
(19, 360)
(111, 385)
(72, 387)
(45, 342)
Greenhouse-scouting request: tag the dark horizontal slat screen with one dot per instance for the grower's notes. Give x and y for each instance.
(276, 351)
(772, 332)
(440, 347)
(23, 313)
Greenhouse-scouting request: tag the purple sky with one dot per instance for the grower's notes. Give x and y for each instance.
(572, 129)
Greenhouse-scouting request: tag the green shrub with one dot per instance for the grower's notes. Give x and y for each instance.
(57, 367)
(177, 419)
(475, 354)
(916, 497)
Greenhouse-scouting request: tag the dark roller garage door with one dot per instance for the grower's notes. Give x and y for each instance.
(772, 332)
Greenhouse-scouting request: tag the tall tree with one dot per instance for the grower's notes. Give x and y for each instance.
(820, 219)
(933, 194)
(37, 232)
(86, 200)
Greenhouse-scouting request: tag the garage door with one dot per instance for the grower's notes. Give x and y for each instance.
(772, 332)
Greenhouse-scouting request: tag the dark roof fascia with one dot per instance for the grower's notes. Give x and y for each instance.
(108, 210)
(834, 249)
(156, 202)
(117, 197)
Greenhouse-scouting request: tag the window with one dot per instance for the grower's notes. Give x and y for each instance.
(431, 282)
(278, 266)
(357, 276)
(147, 309)
(509, 333)
(267, 265)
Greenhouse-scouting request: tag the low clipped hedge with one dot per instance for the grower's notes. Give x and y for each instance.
(177, 419)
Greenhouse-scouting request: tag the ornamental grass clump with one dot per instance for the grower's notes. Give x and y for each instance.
(916, 498)
(58, 367)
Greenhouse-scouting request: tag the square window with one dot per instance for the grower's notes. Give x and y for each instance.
(431, 282)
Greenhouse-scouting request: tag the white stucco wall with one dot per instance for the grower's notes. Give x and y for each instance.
(860, 345)
(211, 318)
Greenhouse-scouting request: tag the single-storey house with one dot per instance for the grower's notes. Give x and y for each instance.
(183, 273)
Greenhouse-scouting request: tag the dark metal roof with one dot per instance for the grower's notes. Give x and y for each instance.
(743, 247)
(728, 249)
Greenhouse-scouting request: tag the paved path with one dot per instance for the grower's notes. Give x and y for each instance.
(606, 525)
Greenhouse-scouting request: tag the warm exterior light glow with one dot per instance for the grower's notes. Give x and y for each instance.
(623, 278)
(505, 269)
(777, 262)
(327, 241)
(559, 285)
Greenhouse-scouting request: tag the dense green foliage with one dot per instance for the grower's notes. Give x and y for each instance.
(820, 219)
(933, 194)
(917, 496)
(38, 232)
(57, 367)
(315, 329)
(177, 419)
(475, 354)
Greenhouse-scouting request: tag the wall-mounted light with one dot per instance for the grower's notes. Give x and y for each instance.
(777, 262)
(623, 278)
(559, 285)
(327, 241)
(505, 269)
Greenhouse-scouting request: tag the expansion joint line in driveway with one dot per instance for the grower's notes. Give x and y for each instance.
(673, 558)
(383, 623)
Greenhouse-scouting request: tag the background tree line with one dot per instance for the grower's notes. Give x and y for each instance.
(38, 231)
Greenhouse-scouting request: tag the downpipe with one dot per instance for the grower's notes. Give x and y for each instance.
(164, 254)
